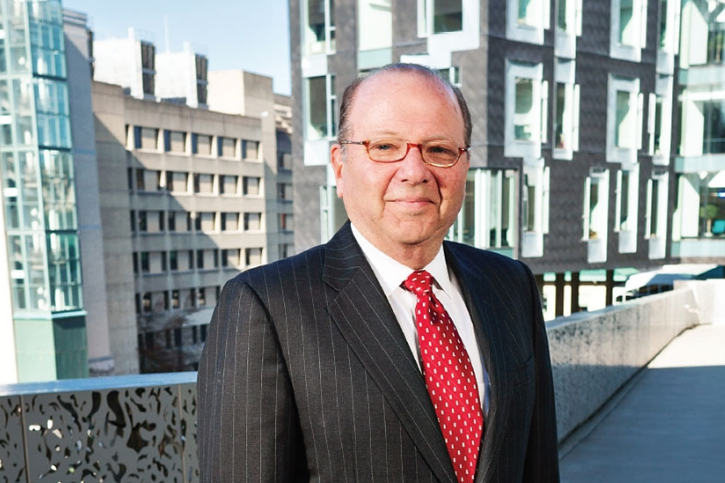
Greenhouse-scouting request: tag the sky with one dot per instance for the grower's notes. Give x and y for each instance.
(252, 35)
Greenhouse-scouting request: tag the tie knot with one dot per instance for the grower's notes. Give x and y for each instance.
(419, 282)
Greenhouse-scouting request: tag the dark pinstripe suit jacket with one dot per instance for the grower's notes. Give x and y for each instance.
(306, 376)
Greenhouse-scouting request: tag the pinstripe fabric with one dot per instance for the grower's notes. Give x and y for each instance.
(306, 376)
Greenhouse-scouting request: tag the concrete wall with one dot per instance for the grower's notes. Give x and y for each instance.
(593, 354)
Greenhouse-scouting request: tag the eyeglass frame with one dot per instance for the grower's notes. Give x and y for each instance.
(407, 150)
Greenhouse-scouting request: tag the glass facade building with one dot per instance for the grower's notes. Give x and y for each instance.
(39, 202)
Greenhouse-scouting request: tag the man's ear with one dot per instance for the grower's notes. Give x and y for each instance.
(337, 166)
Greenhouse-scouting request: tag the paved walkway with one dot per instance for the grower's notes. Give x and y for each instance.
(666, 426)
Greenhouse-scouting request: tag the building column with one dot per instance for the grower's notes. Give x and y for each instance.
(559, 283)
(575, 292)
(610, 288)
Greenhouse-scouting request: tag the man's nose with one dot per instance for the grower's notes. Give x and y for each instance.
(412, 167)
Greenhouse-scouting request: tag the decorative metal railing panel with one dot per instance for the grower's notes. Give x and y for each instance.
(120, 429)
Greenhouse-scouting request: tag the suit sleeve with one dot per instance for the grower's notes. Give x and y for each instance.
(248, 428)
(542, 454)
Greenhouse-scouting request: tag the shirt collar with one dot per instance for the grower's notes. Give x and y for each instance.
(391, 273)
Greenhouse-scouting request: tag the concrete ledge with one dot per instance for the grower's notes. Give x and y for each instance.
(593, 354)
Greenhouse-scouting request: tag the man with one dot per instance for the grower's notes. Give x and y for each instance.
(317, 367)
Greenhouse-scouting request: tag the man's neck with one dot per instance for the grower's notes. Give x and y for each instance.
(415, 257)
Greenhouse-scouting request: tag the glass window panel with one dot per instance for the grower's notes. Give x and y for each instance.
(524, 109)
(447, 16)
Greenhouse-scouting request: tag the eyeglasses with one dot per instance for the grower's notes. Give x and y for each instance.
(439, 153)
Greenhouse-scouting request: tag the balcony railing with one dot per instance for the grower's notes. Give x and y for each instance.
(126, 428)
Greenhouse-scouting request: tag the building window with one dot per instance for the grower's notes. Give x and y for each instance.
(526, 110)
(487, 218)
(527, 20)
(173, 260)
(439, 16)
(201, 144)
(626, 209)
(656, 226)
(230, 221)
(660, 120)
(148, 180)
(252, 221)
(284, 161)
(250, 149)
(204, 184)
(624, 120)
(320, 103)
(284, 191)
(175, 141)
(701, 204)
(375, 24)
(595, 216)
(596, 205)
(452, 75)
(177, 181)
(205, 222)
(230, 258)
(251, 185)
(319, 26)
(226, 147)
(228, 185)
(286, 222)
(149, 138)
(253, 257)
(629, 29)
(566, 111)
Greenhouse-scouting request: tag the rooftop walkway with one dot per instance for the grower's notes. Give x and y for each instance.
(667, 425)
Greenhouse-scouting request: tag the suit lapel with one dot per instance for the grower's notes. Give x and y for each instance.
(485, 317)
(363, 315)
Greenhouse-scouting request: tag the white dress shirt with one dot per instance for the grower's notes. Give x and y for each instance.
(391, 275)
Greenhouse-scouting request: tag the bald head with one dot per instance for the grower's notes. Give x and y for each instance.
(405, 69)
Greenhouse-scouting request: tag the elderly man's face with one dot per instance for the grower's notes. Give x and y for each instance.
(406, 204)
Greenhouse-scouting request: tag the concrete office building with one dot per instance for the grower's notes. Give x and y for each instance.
(699, 220)
(43, 312)
(192, 191)
(571, 163)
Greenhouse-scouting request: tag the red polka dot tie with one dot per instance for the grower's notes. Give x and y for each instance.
(449, 376)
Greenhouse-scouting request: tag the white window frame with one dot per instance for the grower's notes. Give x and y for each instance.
(488, 209)
(628, 232)
(565, 43)
(329, 44)
(565, 74)
(532, 32)
(536, 176)
(426, 15)
(657, 235)
(624, 154)
(664, 89)
(596, 246)
(633, 51)
(330, 103)
(531, 148)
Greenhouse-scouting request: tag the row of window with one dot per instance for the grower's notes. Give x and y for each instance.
(189, 260)
(526, 22)
(190, 298)
(165, 140)
(173, 338)
(147, 221)
(179, 182)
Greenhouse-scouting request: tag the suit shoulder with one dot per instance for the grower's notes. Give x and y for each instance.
(471, 254)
